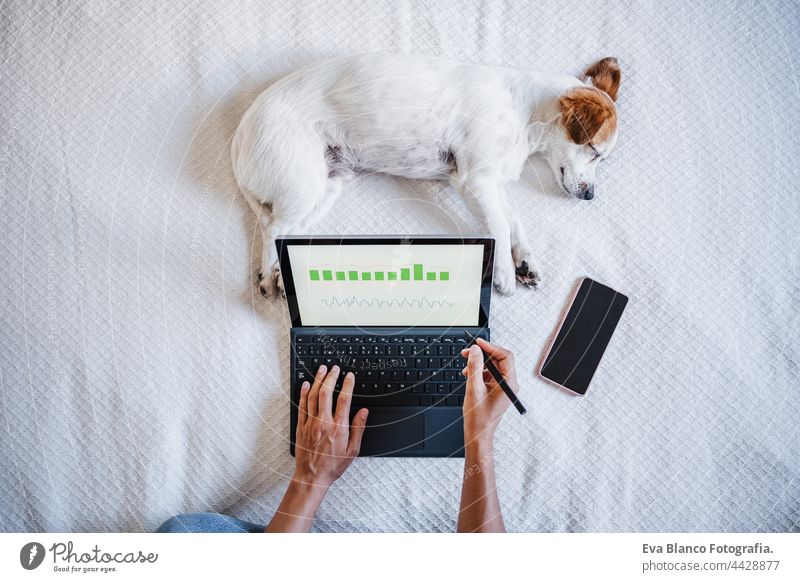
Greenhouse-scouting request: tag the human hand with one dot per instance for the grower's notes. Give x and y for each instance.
(325, 443)
(485, 402)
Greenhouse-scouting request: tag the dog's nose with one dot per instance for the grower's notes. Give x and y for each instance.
(588, 193)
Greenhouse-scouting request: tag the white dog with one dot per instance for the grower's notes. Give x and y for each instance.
(420, 117)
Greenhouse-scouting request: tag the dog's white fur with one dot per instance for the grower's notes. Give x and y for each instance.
(418, 117)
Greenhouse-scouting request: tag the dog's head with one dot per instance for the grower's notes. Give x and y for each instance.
(587, 129)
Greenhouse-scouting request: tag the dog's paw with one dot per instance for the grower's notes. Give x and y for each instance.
(527, 274)
(272, 284)
(264, 285)
(276, 276)
(504, 279)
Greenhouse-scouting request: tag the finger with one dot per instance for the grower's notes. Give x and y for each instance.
(475, 372)
(357, 432)
(303, 406)
(493, 351)
(474, 361)
(326, 394)
(313, 395)
(488, 379)
(345, 396)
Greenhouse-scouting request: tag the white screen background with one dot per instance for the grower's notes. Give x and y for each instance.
(453, 299)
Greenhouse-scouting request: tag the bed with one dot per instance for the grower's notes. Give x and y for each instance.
(141, 375)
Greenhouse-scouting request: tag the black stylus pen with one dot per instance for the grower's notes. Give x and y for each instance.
(487, 362)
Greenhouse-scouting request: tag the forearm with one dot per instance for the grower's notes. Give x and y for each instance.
(480, 506)
(298, 507)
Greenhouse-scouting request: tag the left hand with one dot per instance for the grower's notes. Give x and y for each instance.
(325, 443)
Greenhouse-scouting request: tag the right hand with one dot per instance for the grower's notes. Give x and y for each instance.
(485, 402)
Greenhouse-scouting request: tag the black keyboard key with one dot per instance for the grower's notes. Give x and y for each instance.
(458, 387)
(429, 388)
(452, 401)
(399, 400)
(361, 401)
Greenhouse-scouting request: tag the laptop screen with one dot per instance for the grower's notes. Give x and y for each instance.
(363, 283)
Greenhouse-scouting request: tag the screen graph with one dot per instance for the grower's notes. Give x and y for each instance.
(416, 272)
(390, 285)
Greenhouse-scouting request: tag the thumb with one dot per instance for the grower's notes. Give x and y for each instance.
(357, 432)
(475, 371)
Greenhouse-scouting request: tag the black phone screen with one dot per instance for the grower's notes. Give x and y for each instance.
(584, 336)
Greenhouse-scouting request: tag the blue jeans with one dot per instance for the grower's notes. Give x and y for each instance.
(208, 523)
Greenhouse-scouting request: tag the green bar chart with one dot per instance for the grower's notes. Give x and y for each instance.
(415, 272)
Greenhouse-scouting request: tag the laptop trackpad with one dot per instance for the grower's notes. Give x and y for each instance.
(390, 432)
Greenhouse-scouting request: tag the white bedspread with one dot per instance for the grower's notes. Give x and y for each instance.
(140, 375)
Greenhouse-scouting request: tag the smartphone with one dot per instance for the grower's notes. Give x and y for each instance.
(583, 335)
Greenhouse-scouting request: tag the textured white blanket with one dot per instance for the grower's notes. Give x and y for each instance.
(140, 377)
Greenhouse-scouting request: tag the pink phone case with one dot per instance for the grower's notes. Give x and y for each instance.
(552, 339)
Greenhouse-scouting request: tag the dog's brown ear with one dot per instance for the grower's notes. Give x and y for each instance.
(583, 113)
(606, 75)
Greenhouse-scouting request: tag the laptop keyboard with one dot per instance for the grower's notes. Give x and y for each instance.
(390, 370)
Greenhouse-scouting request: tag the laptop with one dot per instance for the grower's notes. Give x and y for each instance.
(396, 312)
